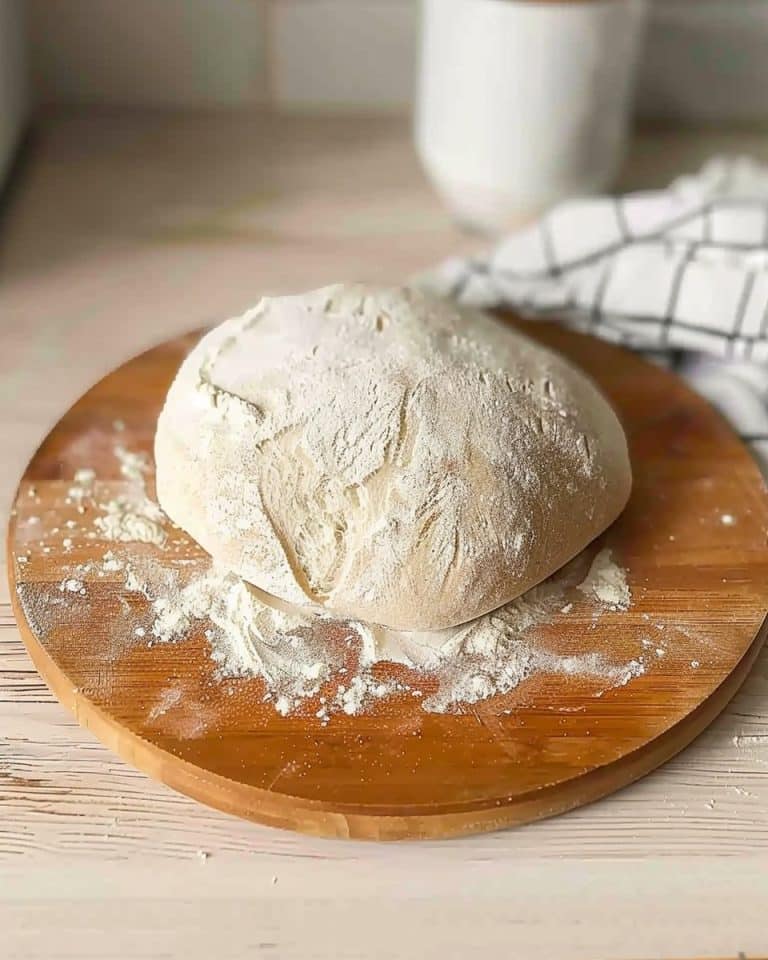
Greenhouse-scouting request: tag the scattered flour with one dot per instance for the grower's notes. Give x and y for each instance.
(132, 517)
(741, 792)
(129, 519)
(302, 654)
(247, 636)
(296, 653)
(133, 466)
(751, 740)
(72, 585)
(82, 487)
(167, 700)
(607, 582)
(135, 584)
(110, 563)
(85, 477)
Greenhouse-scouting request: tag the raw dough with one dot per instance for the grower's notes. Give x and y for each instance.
(387, 455)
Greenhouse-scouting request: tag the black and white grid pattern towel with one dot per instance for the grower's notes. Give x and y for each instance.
(680, 274)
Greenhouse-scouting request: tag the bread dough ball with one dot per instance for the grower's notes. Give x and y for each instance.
(387, 455)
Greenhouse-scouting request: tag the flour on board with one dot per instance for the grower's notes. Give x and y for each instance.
(607, 582)
(296, 653)
(302, 655)
(132, 516)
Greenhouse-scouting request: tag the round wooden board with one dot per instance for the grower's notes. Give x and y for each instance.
(396, 771)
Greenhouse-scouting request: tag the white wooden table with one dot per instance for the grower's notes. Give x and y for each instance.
(127, 228)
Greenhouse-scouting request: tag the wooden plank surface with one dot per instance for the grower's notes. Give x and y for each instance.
(127, 229)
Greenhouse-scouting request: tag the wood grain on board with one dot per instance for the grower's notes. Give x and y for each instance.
(395, 771)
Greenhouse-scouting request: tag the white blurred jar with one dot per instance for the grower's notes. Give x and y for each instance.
(524, 102)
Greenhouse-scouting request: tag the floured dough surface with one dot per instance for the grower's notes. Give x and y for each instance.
(386, 455)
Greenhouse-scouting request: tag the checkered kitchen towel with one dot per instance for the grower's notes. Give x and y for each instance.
(679, 274)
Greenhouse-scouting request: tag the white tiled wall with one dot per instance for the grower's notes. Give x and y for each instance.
(705, 59)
